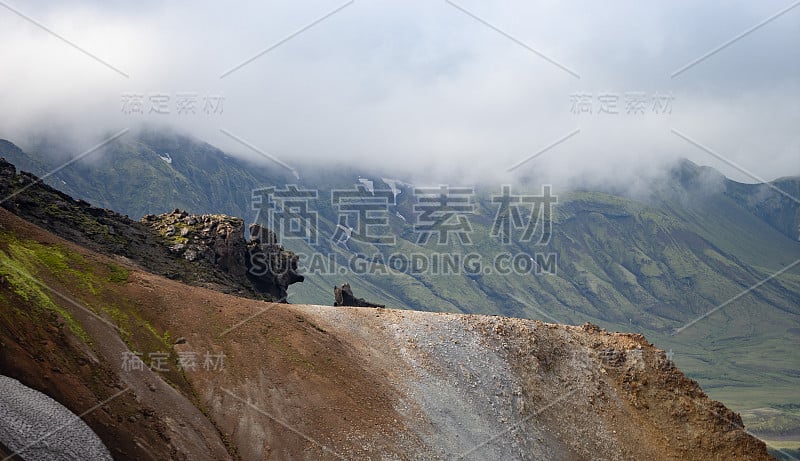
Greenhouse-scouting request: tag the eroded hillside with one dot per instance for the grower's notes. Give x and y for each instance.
(274, 381)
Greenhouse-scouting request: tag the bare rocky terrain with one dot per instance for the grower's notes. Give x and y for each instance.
(317, 382)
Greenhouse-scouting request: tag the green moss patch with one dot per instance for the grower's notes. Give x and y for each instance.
(23, 283)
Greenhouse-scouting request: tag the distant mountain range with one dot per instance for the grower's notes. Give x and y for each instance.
(678, 265)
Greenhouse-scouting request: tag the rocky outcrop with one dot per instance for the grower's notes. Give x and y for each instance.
(207, 250)
(343, 296)
(218, 240)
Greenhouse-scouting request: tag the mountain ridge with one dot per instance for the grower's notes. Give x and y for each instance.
(377, 381)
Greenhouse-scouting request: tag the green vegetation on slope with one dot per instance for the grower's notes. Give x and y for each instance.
(28, 268)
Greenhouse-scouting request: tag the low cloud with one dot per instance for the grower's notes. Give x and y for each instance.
(427, 90)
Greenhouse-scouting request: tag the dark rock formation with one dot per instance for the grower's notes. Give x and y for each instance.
(343, 296)
(206, 250)
(219, 240)
(215, 239)
(270, 267)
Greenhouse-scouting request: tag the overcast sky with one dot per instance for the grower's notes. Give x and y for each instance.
(464, 90)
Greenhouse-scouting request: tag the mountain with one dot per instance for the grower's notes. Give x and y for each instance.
(677, 265)
(137, 177)
(159, 369)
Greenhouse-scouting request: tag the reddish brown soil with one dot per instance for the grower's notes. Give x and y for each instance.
(314, 382)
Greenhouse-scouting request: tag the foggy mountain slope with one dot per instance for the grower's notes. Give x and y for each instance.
(314, 382)
(740, 218)
(650, 265)
(137, 177)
